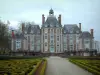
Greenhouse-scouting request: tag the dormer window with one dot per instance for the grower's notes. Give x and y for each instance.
(45, 25)
(71, 31)
(39, 32)
(25, 32)
(64, 31)
(57, 25)
(31, 31)
(77, 31)
(51, 25)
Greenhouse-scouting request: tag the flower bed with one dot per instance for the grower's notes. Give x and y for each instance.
(88, 65)
(18, 66)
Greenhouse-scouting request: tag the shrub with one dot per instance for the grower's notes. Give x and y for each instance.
(43, 68)
(33, 70)
(17, 67)
(85, 67)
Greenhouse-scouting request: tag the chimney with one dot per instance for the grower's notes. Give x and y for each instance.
(92, 34)
(43, 19)
(13, 36)
(80, 26)
(23, 25)
(59, 18)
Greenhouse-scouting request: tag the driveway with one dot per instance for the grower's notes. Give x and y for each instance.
(61, 66)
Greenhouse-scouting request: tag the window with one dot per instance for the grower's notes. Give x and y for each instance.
(45, 33)
(71, 36)
(32, 42)
(71, 47)
(65, 44)
(65, 47)
(52, 46)
(77, 36)
(45, 43)
(57, 30)
(57, 39)
(45, 37)
(45, 25)
(51, 25)
(51, 36)
(86, 42)
(71, 31)
(28, 38)
(65, 36)
(57, 45)
(77, 31)
(64, 31)
(51, 41)
(51, 30)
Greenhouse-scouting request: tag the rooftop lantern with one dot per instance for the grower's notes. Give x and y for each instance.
(51, 12)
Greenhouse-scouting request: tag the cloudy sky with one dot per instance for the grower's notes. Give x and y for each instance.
(86, 12)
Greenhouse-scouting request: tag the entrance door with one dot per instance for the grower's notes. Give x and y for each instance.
(51, 49)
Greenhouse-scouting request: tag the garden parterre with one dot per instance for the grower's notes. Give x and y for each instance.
(18, 66)
(90, 65)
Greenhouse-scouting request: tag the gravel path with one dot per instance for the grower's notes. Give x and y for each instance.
(61, 66)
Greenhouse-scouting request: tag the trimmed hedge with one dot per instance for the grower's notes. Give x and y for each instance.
(93, 67)
(18, 67)
(6, 57)
(44, 67)
(84, 57)
(42, 72)
(34, 70)
(85, 67)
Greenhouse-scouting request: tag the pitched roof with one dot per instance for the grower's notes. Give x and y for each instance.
(71, 28)
(34, 29)
(85, 34)
(19, 36)
(51, 20)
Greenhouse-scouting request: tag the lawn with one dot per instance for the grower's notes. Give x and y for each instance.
(91, 65)
(18, 66)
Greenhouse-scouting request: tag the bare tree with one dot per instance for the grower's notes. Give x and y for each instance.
(4, 35)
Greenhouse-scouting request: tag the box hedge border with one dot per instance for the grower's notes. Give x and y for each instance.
(44, 67)
(85, 67)
(34, 70)
(93, 67)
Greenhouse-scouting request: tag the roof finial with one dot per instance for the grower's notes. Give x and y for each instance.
(51, 11)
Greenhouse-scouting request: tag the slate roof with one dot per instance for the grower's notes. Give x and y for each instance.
(85, 34)
(51, 11)
(34, 29)
(71, 28)
(19, 36)
(51, 20)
